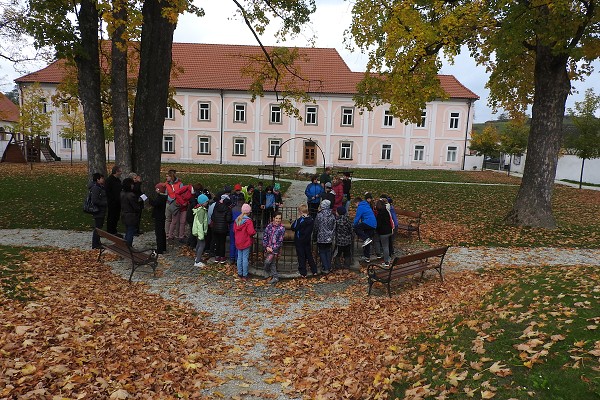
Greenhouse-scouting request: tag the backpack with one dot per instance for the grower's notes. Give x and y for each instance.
(88, 206)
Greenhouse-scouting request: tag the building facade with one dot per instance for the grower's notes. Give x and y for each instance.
(221, 123)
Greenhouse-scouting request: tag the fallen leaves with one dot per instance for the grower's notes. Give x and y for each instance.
(92, 334)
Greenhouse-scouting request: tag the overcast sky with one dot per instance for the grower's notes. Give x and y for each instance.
(219, 25)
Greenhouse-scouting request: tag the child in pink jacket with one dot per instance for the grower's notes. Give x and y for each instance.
(244, 230)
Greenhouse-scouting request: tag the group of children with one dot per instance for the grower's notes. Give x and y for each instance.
(240, 211)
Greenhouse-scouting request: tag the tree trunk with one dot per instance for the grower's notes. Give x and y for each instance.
(581, 173)
(152, 92)
(118, 88)
(88, 74)
(533, 205)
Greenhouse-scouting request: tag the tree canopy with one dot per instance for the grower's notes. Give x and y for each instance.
(531, 49)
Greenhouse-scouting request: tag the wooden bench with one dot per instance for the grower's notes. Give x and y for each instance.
(120, 247)
(407, 265)
(409, 221)
(270, 170)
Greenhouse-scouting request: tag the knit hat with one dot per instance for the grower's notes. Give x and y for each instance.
(202, 199)
(341, 210)
(227, 189)
(368, 196)
(161, 187)
(325, 204)
(237, 187)
(224, 197)
(328, 185)
(277, 186)
(246, 209)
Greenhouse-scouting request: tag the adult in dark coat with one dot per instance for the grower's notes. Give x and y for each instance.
(130, 207)
(113, 196)
(159, 203)
(221, 218)
(100, 201)
(259, 200)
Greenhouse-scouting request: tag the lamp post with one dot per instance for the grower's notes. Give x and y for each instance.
(293, 138)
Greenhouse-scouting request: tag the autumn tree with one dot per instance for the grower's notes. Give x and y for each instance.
(584, 140)
(50, 23)
(486, 142)
(531, 49)
(34, 114)
(514, 137)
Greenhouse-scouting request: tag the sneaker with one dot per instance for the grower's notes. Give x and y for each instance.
(274, 281)
(365, 259)
(367, 242)
(199, 264)
(223, 260)
(386, 264)
(379, 256)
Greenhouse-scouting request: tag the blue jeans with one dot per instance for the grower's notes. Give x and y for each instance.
(130, 231)
(242, 261)
(325, 255)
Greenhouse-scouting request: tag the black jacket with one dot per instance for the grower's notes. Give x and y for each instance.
(113, 190)
(99, 199)
(384, 223)
(221, 218)
(303, 228)
(130, 207)
(158, 203)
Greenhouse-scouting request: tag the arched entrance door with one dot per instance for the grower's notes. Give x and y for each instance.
(310, 154)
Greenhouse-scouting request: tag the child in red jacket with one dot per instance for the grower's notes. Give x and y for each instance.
(243, 228)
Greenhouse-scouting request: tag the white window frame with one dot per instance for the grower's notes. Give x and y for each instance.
(168, 144)
(452, 154)
(419, 152)
(170, 113)
(43, 106)
(239, 146)
(275, 147)
(66, 108)
(239, 113)
(388, 119)
(67, 143)
(275, 114)
(454, 120)
(345, 150)
(347, 116)
(423, 122)
(204, 112)
(311, 115)
(386, 152)
(204, 141)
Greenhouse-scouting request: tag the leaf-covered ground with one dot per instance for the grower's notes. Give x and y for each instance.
(87, 333)
(80, 331)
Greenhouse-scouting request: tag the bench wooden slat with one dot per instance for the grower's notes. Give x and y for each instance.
(120, 247)
(407, 265)
(410, 223)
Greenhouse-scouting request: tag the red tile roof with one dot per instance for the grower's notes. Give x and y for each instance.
(219, 66)
(8, 110)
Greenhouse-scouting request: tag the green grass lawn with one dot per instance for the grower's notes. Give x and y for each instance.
(458, 214)
(533, 338)
(51, 196)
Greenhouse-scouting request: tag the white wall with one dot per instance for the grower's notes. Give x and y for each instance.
(569, 167)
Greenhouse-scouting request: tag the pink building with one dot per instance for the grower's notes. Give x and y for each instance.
(223, 125)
